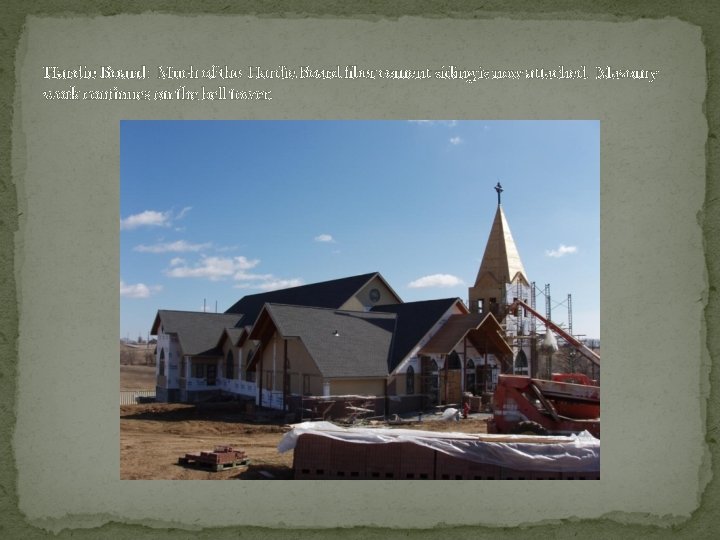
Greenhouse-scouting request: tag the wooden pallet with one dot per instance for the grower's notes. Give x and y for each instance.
(189, 461)
(221, 459)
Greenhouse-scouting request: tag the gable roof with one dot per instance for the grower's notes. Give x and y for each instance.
(501, 258)
(231, 334)
(483, 331)
(326, 294)
(414, 321)
(361, 347)
(198, 332)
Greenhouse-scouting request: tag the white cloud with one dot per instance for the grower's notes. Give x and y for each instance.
(179, 246)
(148, 218)
(138, 290)
(177, 261)
(279, 284)
(324, 238)
(183, 212)
(435, 280)
(244, 276)
(153, 218)
(271, 283)
(561, 251)
(214, 268)
(455, 140)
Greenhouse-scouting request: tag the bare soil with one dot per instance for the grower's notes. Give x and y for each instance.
(154, 436)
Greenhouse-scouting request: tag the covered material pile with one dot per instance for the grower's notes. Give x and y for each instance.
(326, 451)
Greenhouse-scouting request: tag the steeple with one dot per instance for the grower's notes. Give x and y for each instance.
(501, 265)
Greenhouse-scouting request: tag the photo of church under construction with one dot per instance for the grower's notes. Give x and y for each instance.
(361, 380)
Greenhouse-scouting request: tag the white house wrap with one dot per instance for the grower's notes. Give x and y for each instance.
(579, 453)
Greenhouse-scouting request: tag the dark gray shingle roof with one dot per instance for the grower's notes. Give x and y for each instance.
(198, 332)
(361, 347)
(414, 321)
(326, 294)
(232, 335)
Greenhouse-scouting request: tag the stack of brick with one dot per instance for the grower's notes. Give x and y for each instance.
(319, 457)
(221, 458)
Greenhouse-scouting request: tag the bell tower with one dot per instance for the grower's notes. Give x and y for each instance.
(501, 276)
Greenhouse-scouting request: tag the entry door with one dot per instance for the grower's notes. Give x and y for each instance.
(211, 374)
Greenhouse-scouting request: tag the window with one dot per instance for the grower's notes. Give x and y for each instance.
(453, 360)
(306, 385)
(410, 381)
(161, 364)
(229, 366)
(198, 371)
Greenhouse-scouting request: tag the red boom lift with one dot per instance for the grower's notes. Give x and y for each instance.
(525, 405)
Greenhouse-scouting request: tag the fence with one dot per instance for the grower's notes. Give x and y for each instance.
(132, 397)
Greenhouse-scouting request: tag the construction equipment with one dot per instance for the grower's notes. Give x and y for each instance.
(534, 406)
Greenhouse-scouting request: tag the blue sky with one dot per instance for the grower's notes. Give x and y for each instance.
(214, 210)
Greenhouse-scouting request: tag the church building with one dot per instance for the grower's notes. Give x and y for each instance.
(354, 336)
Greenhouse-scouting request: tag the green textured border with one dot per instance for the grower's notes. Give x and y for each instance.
(703, 14)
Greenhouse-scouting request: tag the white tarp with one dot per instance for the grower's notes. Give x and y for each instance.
(549, 344)
(577, 453)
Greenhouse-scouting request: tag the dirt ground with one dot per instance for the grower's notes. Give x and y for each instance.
(154, 436)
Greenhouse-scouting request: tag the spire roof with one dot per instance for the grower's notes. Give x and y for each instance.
(501, 258)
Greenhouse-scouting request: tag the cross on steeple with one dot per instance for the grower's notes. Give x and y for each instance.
(499, 190)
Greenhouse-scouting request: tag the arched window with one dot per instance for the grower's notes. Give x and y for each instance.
(521, 362)
(453, 360)
(229, 366)
(161, 363)
(410, 381)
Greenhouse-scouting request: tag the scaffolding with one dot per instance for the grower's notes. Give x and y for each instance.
(522, 328)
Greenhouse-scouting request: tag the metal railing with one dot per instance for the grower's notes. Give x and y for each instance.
(133, 397)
